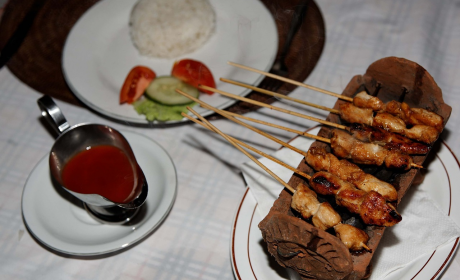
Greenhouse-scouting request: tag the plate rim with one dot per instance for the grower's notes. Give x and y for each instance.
(119, 248)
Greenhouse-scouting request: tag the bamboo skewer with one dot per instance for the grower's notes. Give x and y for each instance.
(309, 135)
(303, 174)
(215, 129)
(291, 81)
(272, 107)
(223, 113)
(272, 93)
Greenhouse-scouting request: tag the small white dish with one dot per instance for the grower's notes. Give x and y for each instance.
(99, 53)
(59, 222)
(251, 260)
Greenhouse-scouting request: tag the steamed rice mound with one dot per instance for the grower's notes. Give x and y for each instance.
(171, 28)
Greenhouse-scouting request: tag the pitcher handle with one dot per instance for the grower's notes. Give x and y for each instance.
(52, 113)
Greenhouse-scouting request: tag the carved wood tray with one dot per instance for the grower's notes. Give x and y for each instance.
(388, 78)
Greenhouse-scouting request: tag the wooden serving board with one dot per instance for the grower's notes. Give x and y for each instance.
(37, 63)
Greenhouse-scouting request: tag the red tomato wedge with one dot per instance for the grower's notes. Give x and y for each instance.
(193, 73)
(138, 79)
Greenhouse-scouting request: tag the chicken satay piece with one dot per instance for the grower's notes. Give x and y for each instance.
(323, 216)
(377, 211)
(402, 110)
(425, 117)
(371, 207)
(350, 172)
(415, 149)
(389, 140)
(422, 133)
(348, 196)
(305, 201)
(368, 183)
(326, 217)
(352, 114)
(354, 238)
(389, 122)
(326, 183)
(346, 146)
(413, 116)
(364, 100)
(375, 135)
(320, 160)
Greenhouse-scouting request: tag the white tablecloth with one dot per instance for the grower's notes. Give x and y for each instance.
(193, 242)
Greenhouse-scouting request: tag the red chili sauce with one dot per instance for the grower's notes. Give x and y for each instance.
(104, 170)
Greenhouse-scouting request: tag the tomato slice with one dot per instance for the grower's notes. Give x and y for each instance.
(193, 73)
(138, 79)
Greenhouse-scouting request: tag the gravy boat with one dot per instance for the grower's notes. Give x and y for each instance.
(77, 138)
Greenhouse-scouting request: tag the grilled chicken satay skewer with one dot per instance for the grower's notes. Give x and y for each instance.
(322, 214)
(413, 116)
(345, 146)
(371, 206)
(320, 160)
(353, 114)
(363, 182)
(365, 153)
(388, 140)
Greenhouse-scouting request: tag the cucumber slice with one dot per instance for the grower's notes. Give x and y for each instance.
(163, 90)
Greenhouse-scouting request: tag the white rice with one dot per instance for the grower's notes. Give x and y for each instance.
(171, 28)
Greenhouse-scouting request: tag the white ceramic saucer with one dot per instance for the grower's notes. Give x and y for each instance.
(60, 223)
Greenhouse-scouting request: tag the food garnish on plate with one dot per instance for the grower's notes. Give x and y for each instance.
(156, 97)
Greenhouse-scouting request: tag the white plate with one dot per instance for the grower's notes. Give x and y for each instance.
(98, 54)
(65, 227)
(250, 259)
